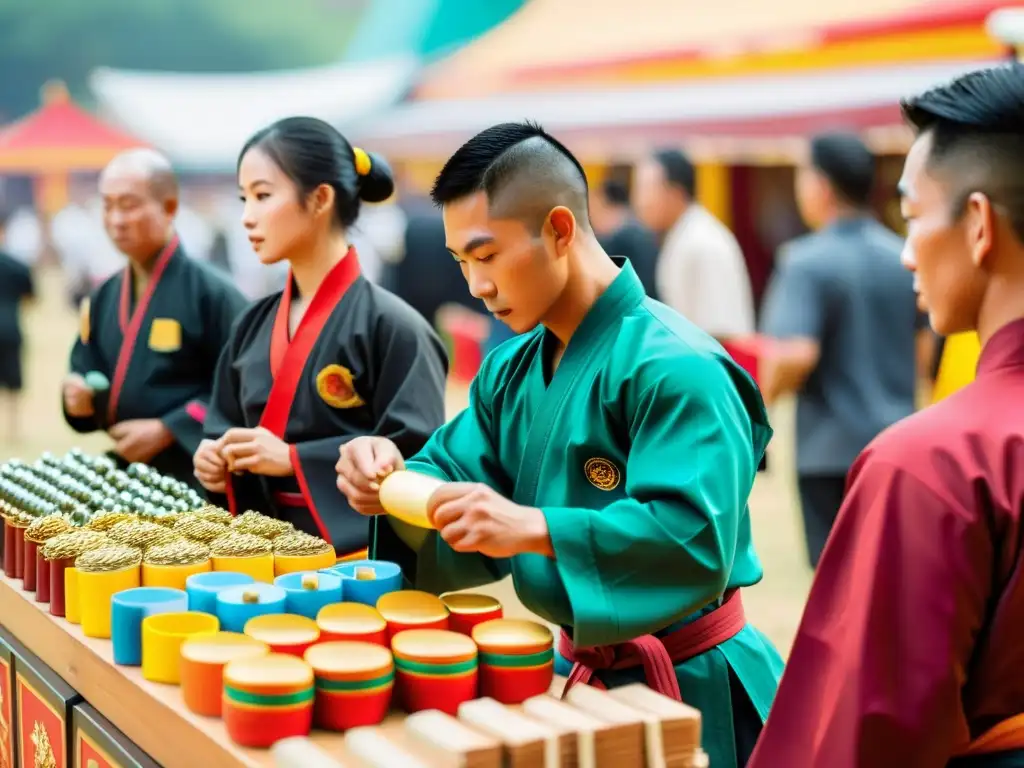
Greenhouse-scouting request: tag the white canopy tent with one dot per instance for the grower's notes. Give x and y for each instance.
(737, 111)
(202, 120)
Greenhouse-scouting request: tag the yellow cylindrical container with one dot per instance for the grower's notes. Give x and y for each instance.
(102, 573)
(244, 553)
(61, 552)
(170, 565)
(162, 636)
(297, 551)
(72, 605)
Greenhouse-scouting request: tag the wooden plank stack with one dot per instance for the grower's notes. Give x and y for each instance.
(629, 727)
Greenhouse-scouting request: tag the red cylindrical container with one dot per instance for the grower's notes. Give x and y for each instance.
(18, 545)
(262, 728)
(444, 693)
(29, 551)
(514, 685)
(8, 550)
(467, 609)
(42, 578)
(354, 681)
(57, 568)
(412, 609)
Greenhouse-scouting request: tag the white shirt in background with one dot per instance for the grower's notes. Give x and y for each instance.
(702, 275)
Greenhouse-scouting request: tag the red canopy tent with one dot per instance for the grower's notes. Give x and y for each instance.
(57, 139)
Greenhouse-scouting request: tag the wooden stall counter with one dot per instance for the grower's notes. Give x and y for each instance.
(152, 715)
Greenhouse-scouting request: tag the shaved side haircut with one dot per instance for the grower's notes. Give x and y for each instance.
(976, 124)
(151, 165)
(523, 170)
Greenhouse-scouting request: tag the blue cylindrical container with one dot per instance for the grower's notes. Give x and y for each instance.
(305, 601)
(387, 578)
(202, 588)
(129, 608)
(234, 608)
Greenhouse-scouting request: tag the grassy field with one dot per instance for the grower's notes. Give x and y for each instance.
(774, 605)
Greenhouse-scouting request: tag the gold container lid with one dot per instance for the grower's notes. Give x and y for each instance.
(344, 660)
(436, 646)
(512, 636)
(273, 673)
(222, 647)
(350, 619)
(282, 629)
(410, 606)
(469, 603)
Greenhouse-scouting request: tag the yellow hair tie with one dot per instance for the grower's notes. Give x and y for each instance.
(362, 161)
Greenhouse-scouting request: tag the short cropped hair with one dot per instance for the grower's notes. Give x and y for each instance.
(976, 123)
(524, 171)
(848, 165)
(678, 170)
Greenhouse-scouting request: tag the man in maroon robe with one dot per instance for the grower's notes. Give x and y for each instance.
(910, 653)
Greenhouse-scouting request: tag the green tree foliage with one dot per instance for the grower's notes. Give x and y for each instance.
(67, 39)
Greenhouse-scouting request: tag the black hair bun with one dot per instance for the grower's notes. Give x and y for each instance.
(379, 184)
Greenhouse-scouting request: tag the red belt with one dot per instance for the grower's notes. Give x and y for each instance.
(290, 499)
(658, 656)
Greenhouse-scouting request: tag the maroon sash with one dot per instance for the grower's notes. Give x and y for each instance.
(658, 656)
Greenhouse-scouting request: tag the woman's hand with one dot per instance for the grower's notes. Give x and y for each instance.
(258, 451)
(210, 468)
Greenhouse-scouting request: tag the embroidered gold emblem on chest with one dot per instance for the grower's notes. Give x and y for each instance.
(336, 386)
(602, 474)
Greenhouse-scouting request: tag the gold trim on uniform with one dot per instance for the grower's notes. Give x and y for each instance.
(602, 474)
(336, 386)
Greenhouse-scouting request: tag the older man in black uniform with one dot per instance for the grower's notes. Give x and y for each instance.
(142, 367)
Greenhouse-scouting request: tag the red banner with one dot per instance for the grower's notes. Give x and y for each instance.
(89, 755)
(6, 724)
(41, 730)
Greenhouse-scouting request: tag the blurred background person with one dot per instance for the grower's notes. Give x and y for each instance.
(15, 288)
(700, 272)
(842, 315)
(621, 234)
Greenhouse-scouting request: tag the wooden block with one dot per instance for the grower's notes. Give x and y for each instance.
(452, 743)
(631, 745)
(43, 705)
(98, 744)
(373, 749)
(300, 752)
(8, 742)
(528, 744)
(677, 725)
(585, 741)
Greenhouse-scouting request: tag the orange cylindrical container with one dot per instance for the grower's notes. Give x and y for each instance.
(353, 684)
(516, 659)
(411, 609)
(284, 632)
(267, 698)
(352, 621)
(434, 669)
(467, 609)
(203, 658)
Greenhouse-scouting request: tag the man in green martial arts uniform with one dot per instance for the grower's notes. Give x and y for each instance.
(605, 457)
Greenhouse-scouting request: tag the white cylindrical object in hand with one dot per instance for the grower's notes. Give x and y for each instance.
(405, 494)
